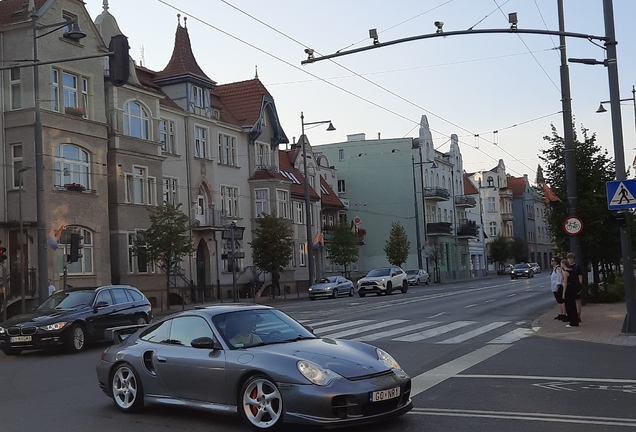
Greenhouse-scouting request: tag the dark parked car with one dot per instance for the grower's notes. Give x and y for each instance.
(521, 270)
(332, 286)
(73, 317)
(255, 361)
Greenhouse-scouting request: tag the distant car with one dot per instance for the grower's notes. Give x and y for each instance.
(332, 286)
(521, 270)
(383, 281)
(73, 317)
(416, 277)
(284, 373)
(536, 268)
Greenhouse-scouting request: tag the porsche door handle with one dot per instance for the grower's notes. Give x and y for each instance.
(162, 359)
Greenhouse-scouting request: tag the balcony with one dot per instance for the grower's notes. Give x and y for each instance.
(210, 219)
(467, 229)
(507, 217)
(465, 201)
(505, 193)
(436, 194)
(434, 229)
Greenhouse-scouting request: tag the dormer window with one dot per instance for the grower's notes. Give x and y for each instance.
(197, 96)
(490, 182)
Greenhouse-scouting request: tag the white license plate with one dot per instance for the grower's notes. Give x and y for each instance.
(21, 339)
(381, 395)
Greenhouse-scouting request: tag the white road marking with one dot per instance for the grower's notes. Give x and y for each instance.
(471, 305)
(396, 331)
(553, 418)
(433, 332)
(436, 315)
(511, 295)
(513, 336)
(549, 378)
(366, 328)
(316, 324)
(341, 326)
(520, 323)
(441, 373)
(473, 333)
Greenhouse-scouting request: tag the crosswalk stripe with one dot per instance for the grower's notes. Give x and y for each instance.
(473, 333)
(363, 329)
(319, 323)
(396, 331)
(341, 326)
(433, 332)
(513, 336)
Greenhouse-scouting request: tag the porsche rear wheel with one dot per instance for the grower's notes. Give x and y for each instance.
(261, 404)
(126, 389)
(351, 292)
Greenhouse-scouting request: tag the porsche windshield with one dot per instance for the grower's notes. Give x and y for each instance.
(68, 300)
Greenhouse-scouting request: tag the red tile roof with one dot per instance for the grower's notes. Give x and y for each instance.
(518, 186)
(330, 199)
(469, 188)
(297, 190)
(14, 11)
(182, 61)
(146, 79)
(243, 99)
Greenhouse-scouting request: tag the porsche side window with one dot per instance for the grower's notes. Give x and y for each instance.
(185, 329)
(158, 333)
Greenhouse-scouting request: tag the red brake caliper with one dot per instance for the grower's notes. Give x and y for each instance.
(253, 395)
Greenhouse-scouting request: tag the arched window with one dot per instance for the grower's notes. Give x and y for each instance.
(444, 182)
(490, 182)
(227, 249)
(136, 122)
(85, 264)
(72, 167)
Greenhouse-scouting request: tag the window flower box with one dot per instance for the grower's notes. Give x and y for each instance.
(75, 187)
(74, 111)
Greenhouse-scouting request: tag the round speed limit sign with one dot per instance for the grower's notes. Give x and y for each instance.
(573, 225)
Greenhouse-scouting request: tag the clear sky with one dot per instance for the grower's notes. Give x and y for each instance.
(468, 85)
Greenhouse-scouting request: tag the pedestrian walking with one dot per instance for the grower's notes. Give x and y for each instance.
(556, 284)
(577, 270)
(51, 287)
(571, 287)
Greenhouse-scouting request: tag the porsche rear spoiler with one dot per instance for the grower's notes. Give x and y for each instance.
(118, 334)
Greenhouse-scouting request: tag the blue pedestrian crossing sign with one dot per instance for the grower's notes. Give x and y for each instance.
(621, 194)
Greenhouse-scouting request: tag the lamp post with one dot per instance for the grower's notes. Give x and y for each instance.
(310, 257)
(601, 108)
(23, 276)
(75, 34)
(233, 233)
(420, 261)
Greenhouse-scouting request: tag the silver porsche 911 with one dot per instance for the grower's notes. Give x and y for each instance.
(256, 361)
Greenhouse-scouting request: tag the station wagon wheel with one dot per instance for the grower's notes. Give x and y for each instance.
(76, 338)
(126, 389)
(261, 404)
(141, 320)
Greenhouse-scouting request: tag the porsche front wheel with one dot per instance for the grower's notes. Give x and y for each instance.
(261, 404)
(126, 389)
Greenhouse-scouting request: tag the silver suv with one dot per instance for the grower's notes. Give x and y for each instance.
(383, 281)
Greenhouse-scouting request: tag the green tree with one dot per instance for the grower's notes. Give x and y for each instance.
(518, 250)
(500, 249)
(397, 246)
(600, 241)
(272, 246)
(166, 241)
(343, 247)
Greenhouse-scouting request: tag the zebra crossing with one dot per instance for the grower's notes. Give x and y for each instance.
(401, 330)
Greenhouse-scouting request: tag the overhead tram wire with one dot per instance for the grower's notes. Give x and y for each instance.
(164, 2)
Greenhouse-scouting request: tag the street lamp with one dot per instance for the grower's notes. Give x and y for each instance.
(601, 108)
(233, 233)
(417, 217)
(310, 258)
(75, 35)
(23, 276)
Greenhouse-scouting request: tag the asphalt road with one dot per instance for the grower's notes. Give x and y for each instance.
(475, 362)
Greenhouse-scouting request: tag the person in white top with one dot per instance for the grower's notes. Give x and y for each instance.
(51, 288)
(556, 284)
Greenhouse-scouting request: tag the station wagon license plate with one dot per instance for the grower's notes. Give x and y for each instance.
(21, 339)
(381, 395)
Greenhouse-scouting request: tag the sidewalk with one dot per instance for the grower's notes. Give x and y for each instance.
(601, 323)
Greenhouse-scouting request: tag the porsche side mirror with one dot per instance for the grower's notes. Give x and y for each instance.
(203, 343)
(309, 328)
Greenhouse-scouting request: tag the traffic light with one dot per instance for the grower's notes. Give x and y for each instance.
(76, 245)
(3, 254)
(119, 61)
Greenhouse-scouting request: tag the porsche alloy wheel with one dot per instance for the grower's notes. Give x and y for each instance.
(126, 389)
(261, 403)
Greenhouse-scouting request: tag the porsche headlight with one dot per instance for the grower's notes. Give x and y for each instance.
(2, 331)
(52, 327)
(387, 359)
(315, 374)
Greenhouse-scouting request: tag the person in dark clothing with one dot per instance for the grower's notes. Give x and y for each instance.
(571, 287)
(577, 270)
